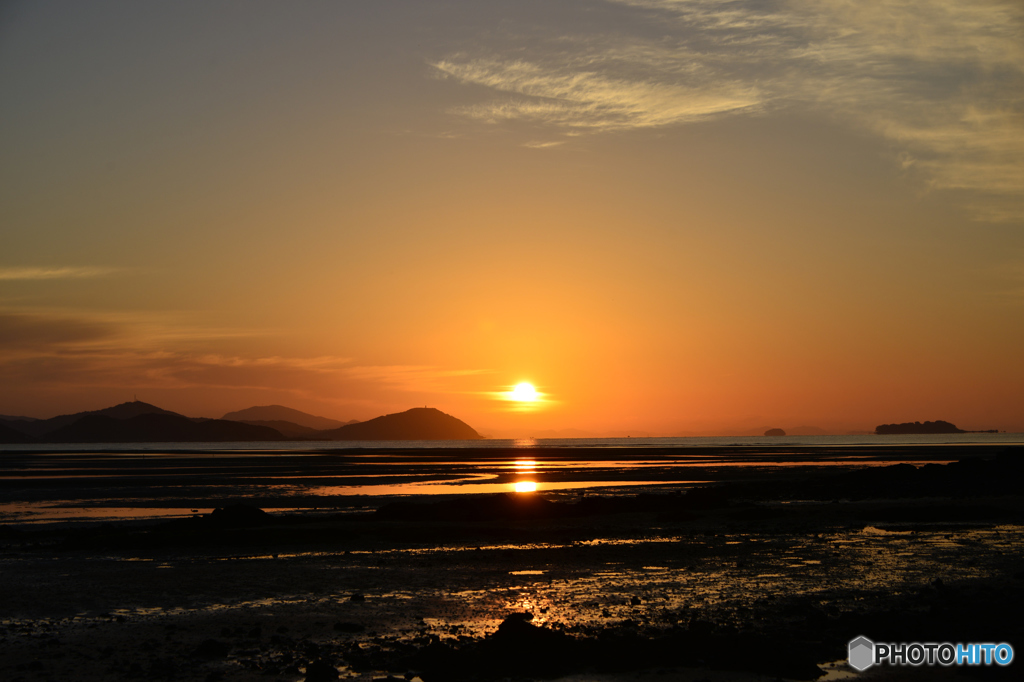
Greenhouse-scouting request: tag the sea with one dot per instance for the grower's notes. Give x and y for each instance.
(859, 440)
(104, 482)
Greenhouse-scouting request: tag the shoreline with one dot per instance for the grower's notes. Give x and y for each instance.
(43, 487)
(703, 585)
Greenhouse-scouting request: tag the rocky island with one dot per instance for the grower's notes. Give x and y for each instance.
(938, 426)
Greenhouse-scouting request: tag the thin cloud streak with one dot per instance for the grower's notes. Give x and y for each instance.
(543, 145)
(45, 273)
(413, 378)
(589, 100)
(941, 79)
(111, 350)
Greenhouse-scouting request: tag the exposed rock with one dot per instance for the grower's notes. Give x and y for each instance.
(239, 515)
(212, 648)
(321, 671)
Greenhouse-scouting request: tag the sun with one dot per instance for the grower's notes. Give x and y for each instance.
(522, 397)
(524, 393)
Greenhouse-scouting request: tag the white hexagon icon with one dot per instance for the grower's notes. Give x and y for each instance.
(861, 653)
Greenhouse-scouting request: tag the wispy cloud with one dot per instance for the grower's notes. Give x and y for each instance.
(591, 100)
(74, 349)
(37, 273)
(942, 79)
(536, 144)
(415, 378)
(24, 331)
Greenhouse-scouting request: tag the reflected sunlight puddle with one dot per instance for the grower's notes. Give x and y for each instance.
(468, 486)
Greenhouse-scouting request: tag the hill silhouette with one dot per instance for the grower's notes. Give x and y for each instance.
(288, 429)
(419, 423)
(10, 434)
(917, 427)
(139, 422)
(157, 428)
(39, 428)
(280, 413)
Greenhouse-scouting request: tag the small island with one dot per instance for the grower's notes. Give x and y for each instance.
(938, 426)
(775, 432)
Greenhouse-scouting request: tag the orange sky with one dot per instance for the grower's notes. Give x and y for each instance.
(672, 219)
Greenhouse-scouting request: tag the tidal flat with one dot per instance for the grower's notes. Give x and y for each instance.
(738, 566)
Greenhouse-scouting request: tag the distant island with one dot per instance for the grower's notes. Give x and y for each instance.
(290, 422)
(419, 423)
(916, 428)
(140, 422)
(775, 432)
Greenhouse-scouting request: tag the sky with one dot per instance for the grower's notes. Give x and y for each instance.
(672, 217)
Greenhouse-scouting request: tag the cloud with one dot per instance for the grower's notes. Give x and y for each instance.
(543, 145)
(414, 378)
(40, 273)
(590, 100)
(61, 349)
(29, 331)
(943, 80)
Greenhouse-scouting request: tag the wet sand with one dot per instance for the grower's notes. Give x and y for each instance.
(765, 574)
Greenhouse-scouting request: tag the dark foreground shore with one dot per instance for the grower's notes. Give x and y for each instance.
(763, 574)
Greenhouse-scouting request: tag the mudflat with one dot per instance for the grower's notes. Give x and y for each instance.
(719, 565)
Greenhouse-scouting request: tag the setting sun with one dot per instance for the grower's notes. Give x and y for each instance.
(524, 393)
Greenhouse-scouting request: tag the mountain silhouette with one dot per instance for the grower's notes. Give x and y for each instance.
(419, 423)
(280, 413)
(139, 422)
(40, 427)
(10, 434)
(157, 427)
(287, 429)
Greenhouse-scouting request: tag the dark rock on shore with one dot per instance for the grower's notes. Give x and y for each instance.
(998, 476)
(239, 516)
(212, 648)
(321, 671)
(520, 648)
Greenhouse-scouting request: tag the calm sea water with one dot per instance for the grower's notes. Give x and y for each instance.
(499, 443)
(122, 481)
